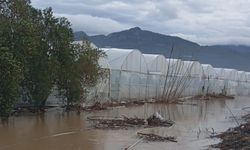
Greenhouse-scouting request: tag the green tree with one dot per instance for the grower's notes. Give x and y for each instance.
(78, 75)
(11, 75)
(42, 44)
(24, 33)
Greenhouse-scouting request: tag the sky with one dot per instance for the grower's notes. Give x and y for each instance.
(207, 22)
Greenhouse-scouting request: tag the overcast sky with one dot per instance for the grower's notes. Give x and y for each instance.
(206, 22)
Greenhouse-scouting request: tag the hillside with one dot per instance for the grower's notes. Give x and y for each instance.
(228, 56)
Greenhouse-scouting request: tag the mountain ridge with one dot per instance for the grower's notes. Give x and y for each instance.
(227, 56)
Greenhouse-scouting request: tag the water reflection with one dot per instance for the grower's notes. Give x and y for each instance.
(56, 130)
(52, 131)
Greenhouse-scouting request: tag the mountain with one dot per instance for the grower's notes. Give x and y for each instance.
(228, 56)
(80, 35)
(146, 41)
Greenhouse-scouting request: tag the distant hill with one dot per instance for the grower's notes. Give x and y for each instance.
(80, 35)
(228, 56)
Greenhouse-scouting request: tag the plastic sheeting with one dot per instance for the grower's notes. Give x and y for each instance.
(209, 79)
(193, 72)
(157, 70)
(226, 81)
(126, 59)
(174, 67)
(248, 83)
(243, 85)
(248, 76)
(128, 74)
(156, 63)
(173, 83)
(102, 89)
(208, 71)
(134, 75)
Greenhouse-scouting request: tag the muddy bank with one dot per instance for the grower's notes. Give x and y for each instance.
(236, 138)
(129, 103)
(213, 96)
(24, 109)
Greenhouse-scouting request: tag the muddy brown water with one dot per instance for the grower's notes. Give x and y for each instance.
(56, 130)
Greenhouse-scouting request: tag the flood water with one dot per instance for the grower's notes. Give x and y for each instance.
(56, 130)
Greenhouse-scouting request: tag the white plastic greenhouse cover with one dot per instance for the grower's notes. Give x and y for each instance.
(242, 76)
(156, 63)
(126, 59)
(174, 66)
(193, 68)
(248, 76)
(228, 74)
(208, 71)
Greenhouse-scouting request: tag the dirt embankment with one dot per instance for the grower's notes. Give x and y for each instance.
(236, 138)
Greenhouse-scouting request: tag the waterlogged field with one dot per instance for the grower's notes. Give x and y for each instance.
(195, 122)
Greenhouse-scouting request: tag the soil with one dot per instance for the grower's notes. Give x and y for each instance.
(129, 103)
(236, 138)
(213, 96)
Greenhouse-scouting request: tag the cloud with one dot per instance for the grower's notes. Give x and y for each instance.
(206, 22)
(94, 25)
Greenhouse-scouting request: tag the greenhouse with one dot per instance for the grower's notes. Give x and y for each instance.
(242, 76)
(208, 71)
(242, 87)
(248, 83)
(128, 73)
(156, 63)
(173, 86)
(209, 79)
(192, 73)
(174, 67)
(157, 70)
(226, 80)
(248, 76)
(102, 90)
(131, 75)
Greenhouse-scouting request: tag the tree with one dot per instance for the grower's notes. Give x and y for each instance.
(40, 45)
(11, 75)
(24, 32)
(75, 78)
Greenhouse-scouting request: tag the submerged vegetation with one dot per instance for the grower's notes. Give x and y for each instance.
(37, 54)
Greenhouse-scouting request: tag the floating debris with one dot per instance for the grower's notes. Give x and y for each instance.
(149, 137)
(213, 96)
(157, 120)
(105, 106)
(125, 122)
(116, 123)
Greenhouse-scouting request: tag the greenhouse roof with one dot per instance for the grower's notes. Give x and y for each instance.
(126, 59)
(156, 63)
(193, 68)
(208, 70)
(225, 73)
